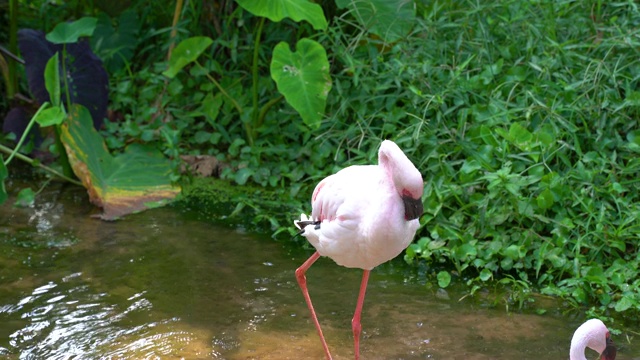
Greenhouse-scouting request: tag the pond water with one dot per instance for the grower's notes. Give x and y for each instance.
(170, 284)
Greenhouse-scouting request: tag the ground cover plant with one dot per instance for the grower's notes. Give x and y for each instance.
(521, 116)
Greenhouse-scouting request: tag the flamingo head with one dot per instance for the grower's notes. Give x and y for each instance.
(594, 335)
(610, 350)
(406, 178)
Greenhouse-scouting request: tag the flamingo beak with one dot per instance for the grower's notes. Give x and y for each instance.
(412, 207)
(609, 352)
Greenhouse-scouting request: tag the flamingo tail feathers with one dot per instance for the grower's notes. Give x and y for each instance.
(304, 222)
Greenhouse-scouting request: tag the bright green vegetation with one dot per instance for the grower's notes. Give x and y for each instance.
(521, 115)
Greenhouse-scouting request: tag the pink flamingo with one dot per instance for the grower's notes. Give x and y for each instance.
(362, 216)
(594, 335)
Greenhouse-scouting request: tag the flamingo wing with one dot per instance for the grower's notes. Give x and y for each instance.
(341, 205)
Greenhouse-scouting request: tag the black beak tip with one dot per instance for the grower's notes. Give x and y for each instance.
(610, 351)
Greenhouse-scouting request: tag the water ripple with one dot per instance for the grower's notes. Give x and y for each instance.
(69, 320)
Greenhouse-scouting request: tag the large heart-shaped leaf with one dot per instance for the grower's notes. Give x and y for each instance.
(303, 78)
(136, 180)
(186, 52)
(297, 10)
(88, 81)
(70, 32)
(115, 40)
(389, 19)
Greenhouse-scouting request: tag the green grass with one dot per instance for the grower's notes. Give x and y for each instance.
(523, 118)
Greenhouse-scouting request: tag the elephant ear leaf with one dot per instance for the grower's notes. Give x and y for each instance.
(303, 78)
(88, 81)
(391, 20)
(70, 32)
(133, 181)
(297, 10)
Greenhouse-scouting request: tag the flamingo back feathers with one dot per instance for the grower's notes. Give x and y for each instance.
(361, 212)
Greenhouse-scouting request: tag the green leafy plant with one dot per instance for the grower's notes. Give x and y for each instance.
(390, 20)
(528, 175)
(302, 77)
(133, 181)
(4, 173)
(44, 117)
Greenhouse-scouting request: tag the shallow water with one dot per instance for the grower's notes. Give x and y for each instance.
(167, 284)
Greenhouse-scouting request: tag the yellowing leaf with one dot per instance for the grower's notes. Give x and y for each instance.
(185, 53)
(136, 180)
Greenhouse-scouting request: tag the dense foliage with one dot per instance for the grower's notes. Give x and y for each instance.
(521, 116)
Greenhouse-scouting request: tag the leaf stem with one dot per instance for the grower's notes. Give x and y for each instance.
(254, 71)
(265, 108)
(30, 161)
(247, 126)
(64, 76)
(25, 133)
(222, 90)
(174, 27)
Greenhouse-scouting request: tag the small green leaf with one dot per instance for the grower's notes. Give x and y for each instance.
(52, 79)
(303, 78)
(185, 53)
(243, 175)
(618, 188)
(66, 32)
(4, 173)
(26, 197)
(624, 303)
(51, 116)
(201, 136)
(464, 252)
(605, 298)
(545, 199)
(297, 10)
(618, 244)
(521, 136)
(470, 166)
(444, 279)
(617, 278)
(211, 107)
(595, 274)
(512, 252)
(487, 136)
(502, 132)
(506, 264)
(485, 274)
(557, 260)
(389, 19)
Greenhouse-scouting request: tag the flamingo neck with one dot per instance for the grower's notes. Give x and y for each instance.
(592, 334)
(577, 350)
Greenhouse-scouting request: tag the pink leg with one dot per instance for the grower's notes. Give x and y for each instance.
(302, 281)
(355, 323)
